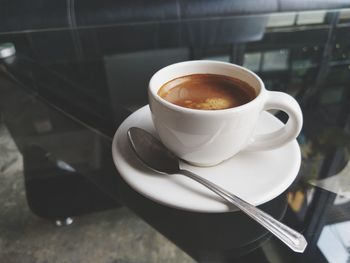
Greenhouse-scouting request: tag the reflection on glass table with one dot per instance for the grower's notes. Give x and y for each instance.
(65, 92)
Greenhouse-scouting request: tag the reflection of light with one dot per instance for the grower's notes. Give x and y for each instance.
(252, 60)
(334, 242)
(344, 14)
(280, 20)
(343, 55)
(275, 60)
(315, 48)
(340, 199)
(301, 64)
(224, 58)
(337, 45)
(348, 67)
(296, 200)
(340, 182)
(311, 17)
(304, 49)
(65, 166)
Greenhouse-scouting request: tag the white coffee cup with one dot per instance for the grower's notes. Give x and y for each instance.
(208, 137)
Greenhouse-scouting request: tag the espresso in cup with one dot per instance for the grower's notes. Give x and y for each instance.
(206, 111)
(207, 92)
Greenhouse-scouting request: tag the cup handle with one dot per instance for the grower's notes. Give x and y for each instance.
(279, 101)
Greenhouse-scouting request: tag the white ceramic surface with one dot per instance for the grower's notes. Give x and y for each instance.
(207, 137)
(257, 177)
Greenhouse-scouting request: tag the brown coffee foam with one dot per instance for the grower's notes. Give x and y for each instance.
(207, 92)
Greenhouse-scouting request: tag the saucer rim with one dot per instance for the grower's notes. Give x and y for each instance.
(116, 154)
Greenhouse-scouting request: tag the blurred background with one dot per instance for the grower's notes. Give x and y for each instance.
(71, 72)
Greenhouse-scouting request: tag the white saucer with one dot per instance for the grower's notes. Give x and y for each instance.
(256, 177)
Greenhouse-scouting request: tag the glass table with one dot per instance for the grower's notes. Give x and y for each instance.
(64, 92)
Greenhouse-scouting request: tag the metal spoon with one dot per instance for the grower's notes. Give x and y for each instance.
(158, 158)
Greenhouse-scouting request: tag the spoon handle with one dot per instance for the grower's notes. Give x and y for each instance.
(290, 237)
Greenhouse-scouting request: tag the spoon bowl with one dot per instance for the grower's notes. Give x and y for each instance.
(152, 152)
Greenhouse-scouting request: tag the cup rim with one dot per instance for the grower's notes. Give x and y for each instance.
(153, 91)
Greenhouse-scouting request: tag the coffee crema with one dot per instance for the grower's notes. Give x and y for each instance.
(207, 92)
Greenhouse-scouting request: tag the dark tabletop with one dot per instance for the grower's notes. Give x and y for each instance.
(65, 92)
